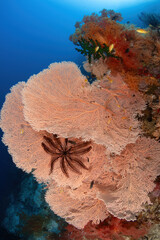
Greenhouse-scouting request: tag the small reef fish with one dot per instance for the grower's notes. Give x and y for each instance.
(140, 30)
(124, 117)
(21, 131)
(111, 47)
(97, 48)
(109, 79)
(91, 185)
(109, 121)
(153, 78)
(85, 81)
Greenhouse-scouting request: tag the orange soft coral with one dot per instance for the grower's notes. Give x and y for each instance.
(110, 32)
(137, 54)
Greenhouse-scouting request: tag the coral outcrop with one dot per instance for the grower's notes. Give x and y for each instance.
(28, 216)
(60, 102)
(88, 142)
(137, 55)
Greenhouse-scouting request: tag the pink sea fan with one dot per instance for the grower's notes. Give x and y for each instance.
(93, 160)
(89, 187)
(24, 144)
(75, 211)
(58, 100)
(125, 102)
(138, 165)
(97, 67)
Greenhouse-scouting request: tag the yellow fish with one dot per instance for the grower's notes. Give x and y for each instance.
(110, 80)
(21, 131)
(153, 78)
(111, 47)
(142, 31)
(85, 81)
(109, 121)
(124, 117)
(97, 48)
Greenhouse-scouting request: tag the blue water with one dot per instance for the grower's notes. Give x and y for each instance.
(33, 34)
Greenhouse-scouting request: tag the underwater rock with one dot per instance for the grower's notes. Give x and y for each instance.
(28, 215)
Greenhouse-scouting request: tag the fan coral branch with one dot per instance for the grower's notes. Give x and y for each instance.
(74, 109)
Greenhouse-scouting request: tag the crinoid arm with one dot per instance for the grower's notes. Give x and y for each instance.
(69, 156)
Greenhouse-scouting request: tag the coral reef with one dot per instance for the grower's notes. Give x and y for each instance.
(93, 49)
(111, 228)
(150, 116)
(95, 145)
(103, 113)
(28, 216)
(94, 18)
(137, 56)
(150, 19)
(145, 227)
(76, 211)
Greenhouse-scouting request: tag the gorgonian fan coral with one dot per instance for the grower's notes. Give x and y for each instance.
(76, 104)
(91, 129)
(28, 154)
(138, 159)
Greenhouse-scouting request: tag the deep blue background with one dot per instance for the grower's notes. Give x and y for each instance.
(33, 34)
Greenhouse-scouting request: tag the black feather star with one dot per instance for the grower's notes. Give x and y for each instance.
(67, 151)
